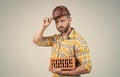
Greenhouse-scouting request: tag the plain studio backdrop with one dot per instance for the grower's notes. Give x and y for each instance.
(98, 21)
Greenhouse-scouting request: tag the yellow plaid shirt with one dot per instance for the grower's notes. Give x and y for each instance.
(74, 46)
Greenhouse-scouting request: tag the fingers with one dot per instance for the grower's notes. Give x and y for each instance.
(50, 68)
(47, 19)
(54, 70)
(57, 70)
(50, 19)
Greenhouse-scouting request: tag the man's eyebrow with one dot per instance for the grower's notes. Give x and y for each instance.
(56, 21)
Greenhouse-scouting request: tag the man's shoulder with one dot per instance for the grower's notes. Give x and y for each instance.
(56, 36)
(79, 37)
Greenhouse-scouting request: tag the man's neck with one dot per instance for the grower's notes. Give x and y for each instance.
(66, 34)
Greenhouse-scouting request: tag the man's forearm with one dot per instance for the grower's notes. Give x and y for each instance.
(38, 35)
(78, 71)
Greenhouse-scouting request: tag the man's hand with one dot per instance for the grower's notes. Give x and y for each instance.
(46, 22)
(54, 70)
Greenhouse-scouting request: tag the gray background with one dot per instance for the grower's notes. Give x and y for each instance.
(98, 21)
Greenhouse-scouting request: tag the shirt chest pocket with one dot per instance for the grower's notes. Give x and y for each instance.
(68, 50)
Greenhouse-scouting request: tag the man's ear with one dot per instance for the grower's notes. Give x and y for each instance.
(70, 19)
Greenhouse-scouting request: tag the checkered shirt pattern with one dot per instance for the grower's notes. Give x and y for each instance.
(74, 46)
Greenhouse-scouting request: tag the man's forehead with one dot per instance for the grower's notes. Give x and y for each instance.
(61, 18)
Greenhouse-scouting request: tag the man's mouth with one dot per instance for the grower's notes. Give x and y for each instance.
(61, 27)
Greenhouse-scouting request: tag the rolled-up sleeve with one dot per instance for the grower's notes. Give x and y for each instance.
(46, 41)
(83, 55)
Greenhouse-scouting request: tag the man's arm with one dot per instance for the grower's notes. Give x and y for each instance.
(78, 71)
(39, 34)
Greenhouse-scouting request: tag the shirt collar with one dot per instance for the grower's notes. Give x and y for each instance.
(72, 34)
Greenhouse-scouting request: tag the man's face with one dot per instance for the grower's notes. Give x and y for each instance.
(63, 24)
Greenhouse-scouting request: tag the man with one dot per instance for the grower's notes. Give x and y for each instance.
(66, 44)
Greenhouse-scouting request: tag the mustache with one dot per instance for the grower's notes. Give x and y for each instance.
(61, 27)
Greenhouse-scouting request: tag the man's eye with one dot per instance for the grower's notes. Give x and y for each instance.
(56, 21)
(62, 20)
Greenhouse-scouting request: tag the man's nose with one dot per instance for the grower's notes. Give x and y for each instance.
(60, 24)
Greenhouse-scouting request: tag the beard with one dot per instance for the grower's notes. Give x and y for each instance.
(62, 29)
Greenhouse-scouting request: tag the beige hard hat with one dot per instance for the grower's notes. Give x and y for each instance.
(60, 11)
